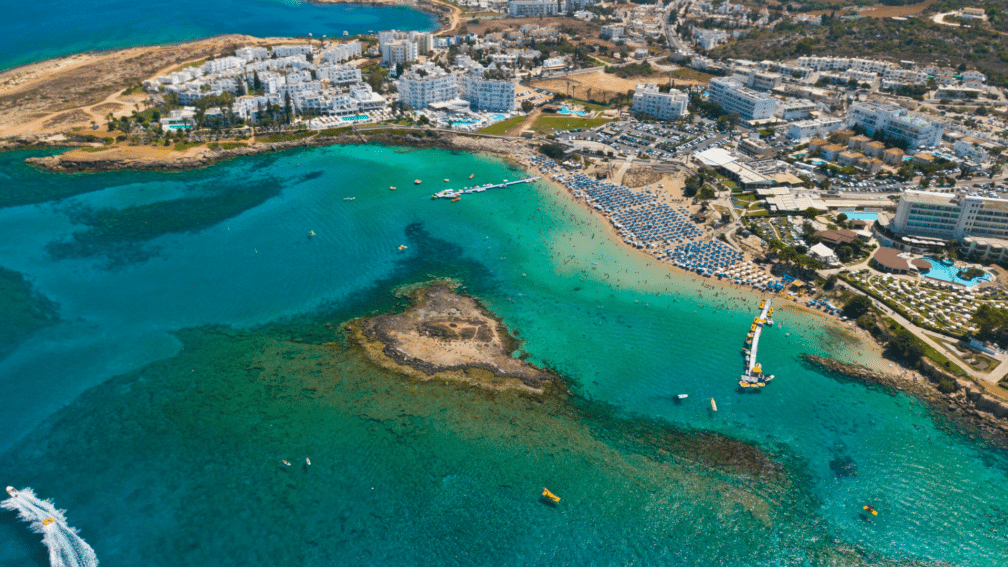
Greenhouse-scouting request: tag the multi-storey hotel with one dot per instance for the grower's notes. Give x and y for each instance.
(951, 217)
(534, 8)
(738, 99)
(648, 100)
(420, 86)
(496, 95)
(896, 122)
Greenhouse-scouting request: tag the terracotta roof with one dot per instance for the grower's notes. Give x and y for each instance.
(922, 264)
(837, 237)
(889, 258)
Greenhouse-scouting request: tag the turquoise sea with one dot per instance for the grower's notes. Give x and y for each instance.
(168, 338)
(43, 29)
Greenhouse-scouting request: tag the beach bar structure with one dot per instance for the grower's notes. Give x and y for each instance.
(754, 376)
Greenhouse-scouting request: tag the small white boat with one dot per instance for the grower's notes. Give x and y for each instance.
(307, 460)
(12, 491)
(683, 396)
(713, 405)
(286, 462)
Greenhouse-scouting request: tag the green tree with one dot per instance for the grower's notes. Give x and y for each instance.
(904, 346)
(857, 306)
(554, 151)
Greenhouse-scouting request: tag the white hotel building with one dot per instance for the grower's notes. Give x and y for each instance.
(496, 95)
(534, 8)
(403, 46)
(805, 129)
(420, 86)
(340, 74)
(896, 122)
(951, 217)
(648, 100)
(738, 99)
(342, 52)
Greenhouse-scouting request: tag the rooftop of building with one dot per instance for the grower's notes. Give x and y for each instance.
(893, 259)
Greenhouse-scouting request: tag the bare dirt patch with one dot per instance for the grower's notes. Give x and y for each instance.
(602, 86)
(640, 175)
(73, 117)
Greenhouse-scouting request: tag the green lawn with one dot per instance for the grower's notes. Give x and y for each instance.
(544, 123)
(183, 146)
(501, 128)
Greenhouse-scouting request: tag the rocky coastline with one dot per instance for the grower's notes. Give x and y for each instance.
(443, 11)
(123, 158)
(966, 404)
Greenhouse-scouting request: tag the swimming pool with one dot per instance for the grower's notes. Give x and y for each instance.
(854, 215)
(463, 121)
(498, 117)
(950, 274)
(355, 118)
(565, 110)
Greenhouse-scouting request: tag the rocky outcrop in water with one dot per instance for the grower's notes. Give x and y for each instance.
(447, 335)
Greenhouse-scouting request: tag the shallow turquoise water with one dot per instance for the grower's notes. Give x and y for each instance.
(34, 31)
(150, 435)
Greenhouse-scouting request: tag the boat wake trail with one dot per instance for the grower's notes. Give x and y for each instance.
(66, 548)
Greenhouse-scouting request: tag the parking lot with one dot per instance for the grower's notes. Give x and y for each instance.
(655, 140)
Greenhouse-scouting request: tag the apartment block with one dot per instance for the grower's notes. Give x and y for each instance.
(534, 8)
(648, 100)
(735, 98)
(897, 123)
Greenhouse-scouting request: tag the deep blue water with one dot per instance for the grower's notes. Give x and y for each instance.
(34, 31)
(195, 344)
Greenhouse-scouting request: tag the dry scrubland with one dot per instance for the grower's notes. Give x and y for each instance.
(60, 94)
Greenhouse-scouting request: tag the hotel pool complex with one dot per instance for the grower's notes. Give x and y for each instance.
(950, 274)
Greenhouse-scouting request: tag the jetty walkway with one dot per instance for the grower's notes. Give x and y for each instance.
(754, 377)
(457, 193)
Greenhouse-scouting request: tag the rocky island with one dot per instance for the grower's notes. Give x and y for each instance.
(449, 336)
